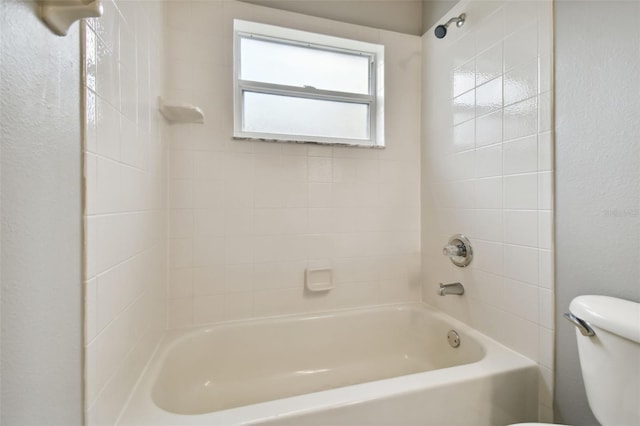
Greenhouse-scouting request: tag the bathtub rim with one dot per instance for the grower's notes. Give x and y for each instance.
(173, 337)
(140, 409)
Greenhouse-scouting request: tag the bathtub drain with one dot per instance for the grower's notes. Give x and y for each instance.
(454, 338)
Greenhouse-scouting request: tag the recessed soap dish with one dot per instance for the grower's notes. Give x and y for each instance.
(319, 279)
(180, 112)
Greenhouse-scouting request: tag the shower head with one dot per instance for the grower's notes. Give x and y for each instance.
(441, 30)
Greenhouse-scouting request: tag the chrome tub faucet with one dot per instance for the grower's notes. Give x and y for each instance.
(453, 288)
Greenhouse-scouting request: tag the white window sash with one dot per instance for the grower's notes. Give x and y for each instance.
(308, 92)
(308, 45)
(305, 92)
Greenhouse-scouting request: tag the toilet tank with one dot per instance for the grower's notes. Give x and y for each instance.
(610, 360)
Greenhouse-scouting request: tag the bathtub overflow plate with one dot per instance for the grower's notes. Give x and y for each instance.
(454, 338)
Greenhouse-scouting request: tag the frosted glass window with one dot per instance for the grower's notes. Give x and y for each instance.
(293, 85)
(292, 65)
(286, 115)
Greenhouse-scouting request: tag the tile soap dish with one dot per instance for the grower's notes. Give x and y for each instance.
(320, 279)
(180, 113)
(60, 15)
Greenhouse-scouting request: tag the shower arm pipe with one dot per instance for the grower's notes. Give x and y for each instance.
(458, 20)
(441, 30)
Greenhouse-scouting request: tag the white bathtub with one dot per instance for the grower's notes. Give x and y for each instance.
(389, 365)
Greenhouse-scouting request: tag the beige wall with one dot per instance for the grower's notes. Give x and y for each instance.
(487, 173)
(41, 368)
(403, 16)
(247, 217)
(435, 12)
(125, 201)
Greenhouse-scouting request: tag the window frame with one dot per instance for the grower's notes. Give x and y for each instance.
(374, 99)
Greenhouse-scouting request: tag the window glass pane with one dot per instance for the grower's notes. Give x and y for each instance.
(268, 113)
(277, 63)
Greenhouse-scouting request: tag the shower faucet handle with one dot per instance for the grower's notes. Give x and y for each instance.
(459, 250)
(454, 250)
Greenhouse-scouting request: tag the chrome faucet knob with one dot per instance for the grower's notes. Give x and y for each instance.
(459, 250)
(454, 250)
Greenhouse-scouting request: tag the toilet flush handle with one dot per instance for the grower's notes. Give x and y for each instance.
(583, 326)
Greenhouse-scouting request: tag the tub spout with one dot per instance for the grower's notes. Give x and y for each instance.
(453, 288)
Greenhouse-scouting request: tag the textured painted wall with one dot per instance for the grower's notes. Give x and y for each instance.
(405, 16)
(435, 12)
(394, 15)
(41, 221)
(598, 178)
(487, 172)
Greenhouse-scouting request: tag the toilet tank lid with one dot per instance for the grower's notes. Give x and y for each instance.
(617, 316)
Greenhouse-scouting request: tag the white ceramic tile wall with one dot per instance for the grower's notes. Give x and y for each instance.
(487, 173)
(247, 218)
(125, 202)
